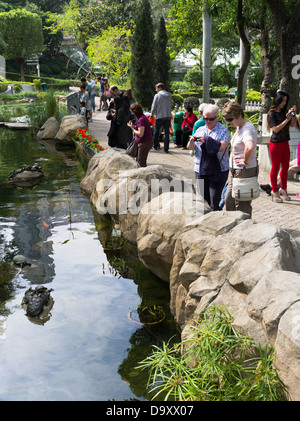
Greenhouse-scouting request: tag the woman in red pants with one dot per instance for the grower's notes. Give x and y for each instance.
(279, 120)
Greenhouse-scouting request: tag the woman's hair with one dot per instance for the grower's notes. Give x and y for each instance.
(232, 110)
(189, 109)
(211, 108)
(137, 110)
(202, 106)
(82, 86)
(277, 101)
(128, 93)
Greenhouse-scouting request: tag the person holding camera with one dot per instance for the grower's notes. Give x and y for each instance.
(279, 120)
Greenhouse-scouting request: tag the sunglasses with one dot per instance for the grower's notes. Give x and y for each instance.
(229, 119)
(209, 119)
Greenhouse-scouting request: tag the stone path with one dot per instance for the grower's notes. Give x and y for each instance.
(284, 215)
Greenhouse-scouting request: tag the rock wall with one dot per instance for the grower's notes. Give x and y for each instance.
(209, 258)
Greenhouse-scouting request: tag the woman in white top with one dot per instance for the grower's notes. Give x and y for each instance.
(243, 162)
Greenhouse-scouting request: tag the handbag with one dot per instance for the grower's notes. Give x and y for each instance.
(244, 189)
(132, 149)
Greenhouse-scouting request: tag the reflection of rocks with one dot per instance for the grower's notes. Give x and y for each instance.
(37, 303)
(21, 260)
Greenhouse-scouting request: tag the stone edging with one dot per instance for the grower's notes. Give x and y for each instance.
(219, 258)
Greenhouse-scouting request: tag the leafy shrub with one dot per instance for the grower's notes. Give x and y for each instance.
(192, 102)
(3, 86)
(51, 104)
(217, 364)
(177, 100)
(253, 96)
(37, 84)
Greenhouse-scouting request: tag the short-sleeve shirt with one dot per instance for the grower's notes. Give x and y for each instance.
(241, 136)
(219, 132)
(144, 122)
(275, 118)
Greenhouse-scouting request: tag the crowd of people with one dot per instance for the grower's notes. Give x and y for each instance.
(207, 137)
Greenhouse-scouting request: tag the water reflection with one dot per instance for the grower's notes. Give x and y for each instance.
(88, 349)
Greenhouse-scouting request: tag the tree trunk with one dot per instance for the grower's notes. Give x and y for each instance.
(207, 34)
(267, 60)
(247, 52)
(286, 20)
(22, 70)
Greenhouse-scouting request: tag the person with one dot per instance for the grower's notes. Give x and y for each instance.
(111, 114)
(182, 135)
(84, 97)
(92, 83)
(83, 111)
(298, 152)
(88, 89)
(279, 119)
(201, 121)
(122, 117)
(101, 93)
(142, 132)
(215, 134)
(243, 162)
(161, 108)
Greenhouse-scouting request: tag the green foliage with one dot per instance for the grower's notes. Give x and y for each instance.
(22, 33)
(217, 364)
(253, 96)
(3, 86)
(194, 76)
(112, 50)
(192, 101)
(161, 56)
(37, 84)
(177, 100)
(142, 59)
(51, 105)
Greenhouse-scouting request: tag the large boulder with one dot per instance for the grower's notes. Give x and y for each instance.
(160, 222)
(49, 129)
(68, 128)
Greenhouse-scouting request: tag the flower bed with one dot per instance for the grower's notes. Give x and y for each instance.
(87, 140)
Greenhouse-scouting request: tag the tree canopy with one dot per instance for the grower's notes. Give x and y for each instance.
(22, 34)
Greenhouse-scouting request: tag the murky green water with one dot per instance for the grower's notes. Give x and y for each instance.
(88, 349)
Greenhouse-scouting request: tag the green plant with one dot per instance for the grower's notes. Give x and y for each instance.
(51, 104)
(37, 84)
(177, 100)
(214, 363)
(192, 102)
(115, 241)
(87, 140)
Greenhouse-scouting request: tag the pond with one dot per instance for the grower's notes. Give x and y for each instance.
(88, 348)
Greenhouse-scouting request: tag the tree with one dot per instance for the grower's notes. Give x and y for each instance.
(161, 56)
(286, 17)
(111, 50)
(142, 58)
(22, 34)
(207, 35)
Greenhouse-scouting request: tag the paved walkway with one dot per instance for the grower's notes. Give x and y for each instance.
(284, 215)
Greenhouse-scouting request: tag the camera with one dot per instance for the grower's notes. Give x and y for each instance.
(292, 113)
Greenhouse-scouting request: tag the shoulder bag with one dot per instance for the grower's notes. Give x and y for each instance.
(132, 149)
(244, 189)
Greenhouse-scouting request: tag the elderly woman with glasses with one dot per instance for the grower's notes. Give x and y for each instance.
(243, 162)
(210, 143)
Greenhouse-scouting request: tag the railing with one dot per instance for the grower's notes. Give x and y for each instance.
(252, 106)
